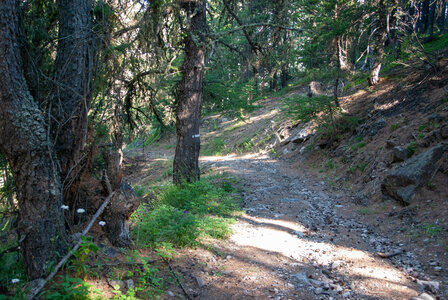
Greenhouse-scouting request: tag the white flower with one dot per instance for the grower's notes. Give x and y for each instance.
(15, 280)
(80, 210)
(102, 223)
(64, 207)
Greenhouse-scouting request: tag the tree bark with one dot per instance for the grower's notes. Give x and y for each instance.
(26, 145)
(189, 101)
(431, 18)
(380, 40)
(72, 95)
(442, 16)
(44, 145)
(424, 16)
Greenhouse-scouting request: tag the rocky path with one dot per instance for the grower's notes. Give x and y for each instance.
(294, 242)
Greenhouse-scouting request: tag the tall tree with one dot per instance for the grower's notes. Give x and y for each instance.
(45, 139)
(380, 36)
(30, 153)
(190, 90)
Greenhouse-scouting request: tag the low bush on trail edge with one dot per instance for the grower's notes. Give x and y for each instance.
(185, 215)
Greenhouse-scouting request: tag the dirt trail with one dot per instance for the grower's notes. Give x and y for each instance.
(293, 242)
(299, 238)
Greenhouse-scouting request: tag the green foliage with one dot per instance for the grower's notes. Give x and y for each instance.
(304, 109)
(69, 288)
(322, 109)
(437, 43)
(358, 146)
(330, 164)
(216, 147)
(422, 127)
(247, 144)
(394, 127)
(233, 95)
(7, 188)
(363, 166)
(86, 252)
(411, 148)
(11, 267)
(185, 214)
(432, 230)
(168, 224)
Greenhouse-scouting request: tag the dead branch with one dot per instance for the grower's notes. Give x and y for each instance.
(40, 285)
(389, 254)
(187, 296)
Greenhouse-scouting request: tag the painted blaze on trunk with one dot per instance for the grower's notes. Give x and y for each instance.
(189, 101)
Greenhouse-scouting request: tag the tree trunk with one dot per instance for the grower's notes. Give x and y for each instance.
(442, 17)
(424, 16)
(72, 96)
(431, 18)
(70, 106)
(24, 141)
(45, 154)
(284, 77)
(379, 43)
(189, 101)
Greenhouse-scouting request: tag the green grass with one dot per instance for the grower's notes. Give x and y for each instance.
(422, 127)
(437, 43)
(185, 215)
(365, 211)
(358, 146)
(247, 144)
(411, 148)
(394, 127)
(215, 147)
(432, 230)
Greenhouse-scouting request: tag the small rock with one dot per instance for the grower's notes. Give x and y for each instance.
(399, 154)
(109, 251)
(299, 233)
(285, 142)
(431, 286)
(336, 287)
(199, 281)
(302, 277)
(118, 284)
(336, 264)
(423, 296)
(377, 126)
(435, 118)
(170, 293)
(444, 131)
(130, 283)
(346, 295)
(390, 144)
(303, 135)
(316, 283)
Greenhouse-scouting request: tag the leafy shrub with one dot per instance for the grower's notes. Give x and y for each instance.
(216, 147)
(68, 288)
(322, 109)
(411, 148)
(185, 214)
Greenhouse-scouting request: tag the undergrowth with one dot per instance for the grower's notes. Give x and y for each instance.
(330, 120)
(185, 215)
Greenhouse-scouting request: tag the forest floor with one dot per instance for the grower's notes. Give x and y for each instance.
(298, 238)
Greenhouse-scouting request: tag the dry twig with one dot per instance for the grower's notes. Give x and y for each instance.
(42, 282)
